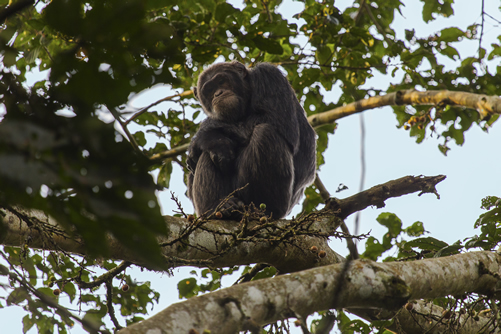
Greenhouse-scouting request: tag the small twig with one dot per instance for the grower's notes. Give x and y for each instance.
(302, 324)
(324, 193)
(252, 273)
(326, 197)
(104, 277)
(132, 140)
(376, 23)
(265, 5)
(359, 12)
(492, 17)
(362, 167)
(48, 53)
(170, 153)
(145, 109)
(178, 203)
(109, 304)
(481, 32)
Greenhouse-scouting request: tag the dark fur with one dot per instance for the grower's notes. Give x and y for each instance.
(256, 133)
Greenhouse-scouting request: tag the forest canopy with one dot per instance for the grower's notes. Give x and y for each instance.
(81, 166)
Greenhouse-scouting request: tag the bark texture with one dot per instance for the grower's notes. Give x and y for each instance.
(215, 243)
(367, 284)
(484, 104)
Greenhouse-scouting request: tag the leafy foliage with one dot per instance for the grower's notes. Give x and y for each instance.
(56, 271)
(61, 153)
(490, 225)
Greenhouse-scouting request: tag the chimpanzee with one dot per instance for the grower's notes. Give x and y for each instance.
(256, 135)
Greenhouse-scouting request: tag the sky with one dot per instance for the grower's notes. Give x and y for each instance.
(473, 170)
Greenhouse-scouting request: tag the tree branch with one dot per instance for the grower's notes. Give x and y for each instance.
(426, 317)
(367, 285)
(200, 248)
(377, 195)
(219, 243)
(170, 153)
(484, 104)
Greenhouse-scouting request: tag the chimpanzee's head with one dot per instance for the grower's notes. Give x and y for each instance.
(223, 91)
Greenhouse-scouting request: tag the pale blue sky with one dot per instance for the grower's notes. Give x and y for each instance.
(473, 170)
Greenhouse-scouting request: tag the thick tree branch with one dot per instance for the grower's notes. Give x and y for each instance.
(367, 284)
(201, 245)
(222, 243)
(484, 104)
(377, 195)
(427, 317)
(200, 248)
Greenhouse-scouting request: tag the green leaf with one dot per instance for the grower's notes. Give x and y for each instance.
(415, 230)
(312, 199)
(223, 10)
(428, 243)
(70, 289)
(324, 55)
(268, 45)
(267, 272)
(9, 57)
(28, 323)
(165, 173)
(391, 221)
(374, 249)
(409, 34)
(140, 138)
(93, 317)
(71, 22)
(450, 52)
(4, 271)
(17, 296)
(496, 52)
(444, 149)
(452, 34)
(188, 288)
(323, 325)
(159, 4)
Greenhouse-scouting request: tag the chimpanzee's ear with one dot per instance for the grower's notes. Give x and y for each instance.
(195, 92)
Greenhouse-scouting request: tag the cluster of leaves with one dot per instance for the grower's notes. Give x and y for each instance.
(489, 224)
(425, 247)
(418, 248)
(469, 76)
(58, 277)
(82, 171)
(190, 287)
(57, 155)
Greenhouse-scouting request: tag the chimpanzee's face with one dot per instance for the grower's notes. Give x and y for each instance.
(223, 91)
